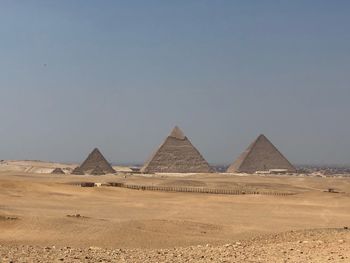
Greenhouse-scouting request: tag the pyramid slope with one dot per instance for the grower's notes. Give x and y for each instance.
(97, 171)
(95, 159)
(261, 155)
(176, 155)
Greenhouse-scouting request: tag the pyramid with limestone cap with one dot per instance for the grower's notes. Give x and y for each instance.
(176, 155)
(96, 159)
(261, 155)
(177, 133)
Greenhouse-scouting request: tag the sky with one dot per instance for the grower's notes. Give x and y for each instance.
(119, 75)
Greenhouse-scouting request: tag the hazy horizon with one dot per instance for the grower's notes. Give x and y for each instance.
(119, 75)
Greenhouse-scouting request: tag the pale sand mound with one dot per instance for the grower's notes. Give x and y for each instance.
(33, 166)
(332, 245)
(41, 167)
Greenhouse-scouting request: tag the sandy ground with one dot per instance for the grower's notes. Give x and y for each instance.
(326, 245)
(34, 211)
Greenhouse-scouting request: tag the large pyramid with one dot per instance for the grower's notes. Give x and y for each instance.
(176, 155)
(261, 155)
(96, 159)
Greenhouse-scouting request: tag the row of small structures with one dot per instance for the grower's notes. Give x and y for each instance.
(177, 155)
(184, 189)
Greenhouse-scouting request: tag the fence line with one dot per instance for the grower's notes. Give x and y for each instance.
(196, 190)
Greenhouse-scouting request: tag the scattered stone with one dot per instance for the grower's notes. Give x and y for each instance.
(274, 248)
(95, 248)
(77, 216)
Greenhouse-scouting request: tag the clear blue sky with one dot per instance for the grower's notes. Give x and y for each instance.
(120, 74)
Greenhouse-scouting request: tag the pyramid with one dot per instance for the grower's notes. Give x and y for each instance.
(176, 155)
(95, 159)
(78, 171)
(97, 171)
(58, 171)
(261, 155)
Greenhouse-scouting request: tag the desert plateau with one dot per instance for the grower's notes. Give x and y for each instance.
(46, 217)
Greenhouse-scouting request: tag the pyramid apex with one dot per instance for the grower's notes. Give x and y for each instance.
(96, 151)
(177, 133)
(262, 137)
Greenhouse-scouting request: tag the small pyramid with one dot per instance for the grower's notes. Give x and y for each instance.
(261, 155)
(97, 171)
(95, 159)
(58, 171)
(176, 155)
(78, 171)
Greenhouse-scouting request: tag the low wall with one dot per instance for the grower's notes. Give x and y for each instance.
(196, 190)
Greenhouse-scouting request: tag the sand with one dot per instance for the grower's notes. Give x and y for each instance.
(38, 211)
(327, 245)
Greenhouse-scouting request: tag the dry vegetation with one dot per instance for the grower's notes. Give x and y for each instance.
(43, 214)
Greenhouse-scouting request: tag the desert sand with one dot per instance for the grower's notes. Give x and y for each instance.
(38, 219)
